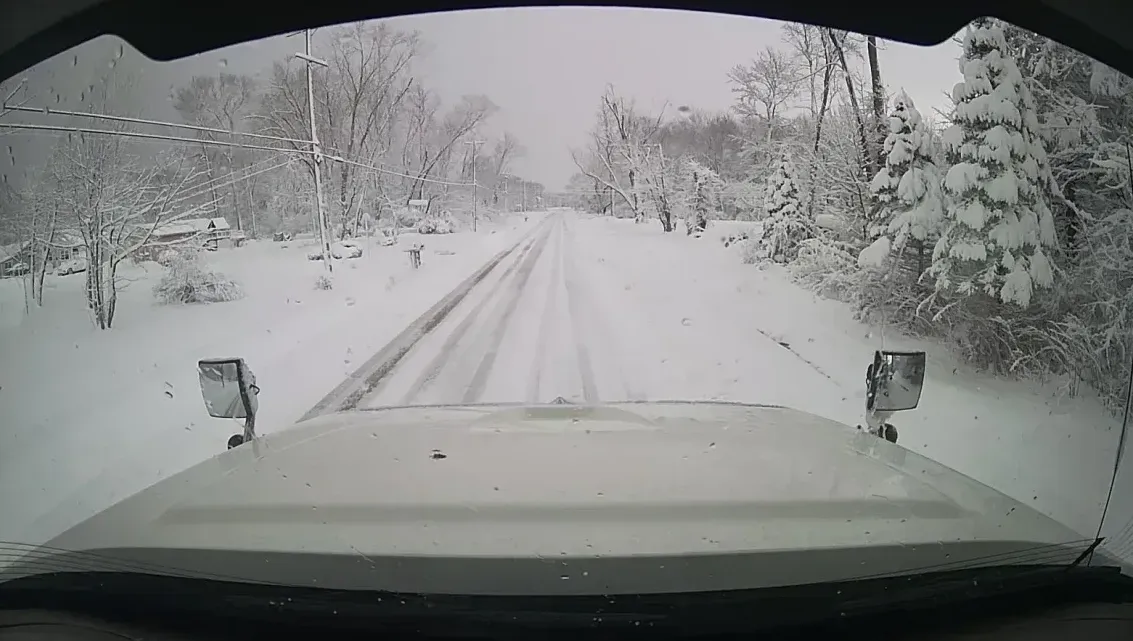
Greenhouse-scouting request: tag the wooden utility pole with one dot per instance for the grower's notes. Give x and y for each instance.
(324, 235)
(475, 186)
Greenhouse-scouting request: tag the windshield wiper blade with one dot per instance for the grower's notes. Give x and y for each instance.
(1089, 551)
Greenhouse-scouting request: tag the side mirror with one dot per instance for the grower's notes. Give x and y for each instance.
(894, 381)
(228, 387)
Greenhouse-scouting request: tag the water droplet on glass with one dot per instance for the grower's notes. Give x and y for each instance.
(223, 62)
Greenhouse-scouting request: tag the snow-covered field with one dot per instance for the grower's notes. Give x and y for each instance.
(90, 417)
(595, 309)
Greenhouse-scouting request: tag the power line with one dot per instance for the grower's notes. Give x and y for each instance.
(197, 141)
(139, 134)
(48, 111)
(209, 185)
(396, 173)
(385, 168)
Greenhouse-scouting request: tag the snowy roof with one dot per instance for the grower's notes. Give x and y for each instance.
(9, 251)
(191, 226)
(66, 238)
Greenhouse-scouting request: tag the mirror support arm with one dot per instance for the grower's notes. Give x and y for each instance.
(249, 428)
(250, 419)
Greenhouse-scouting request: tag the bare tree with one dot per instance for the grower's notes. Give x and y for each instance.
(812, 45)
(358, 102)
(221, 102)
(766, 88)
(839, 41)
(619, 157)
(431, 139)
(116, 201)
(505, 150)
(38, 207)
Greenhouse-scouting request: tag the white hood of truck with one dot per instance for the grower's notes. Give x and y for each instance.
(560, 499)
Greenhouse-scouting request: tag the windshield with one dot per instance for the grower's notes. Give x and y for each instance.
(589, 209)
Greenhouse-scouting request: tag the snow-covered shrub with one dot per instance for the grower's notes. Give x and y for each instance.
(346, 249)
(750, 251)
(828, 268)
(435, 225)
(702, 200)
(166, 256)
(734, 238)
(186, 280)
(324, 282)
(998, 226)
(406, 217)
(1098, 328)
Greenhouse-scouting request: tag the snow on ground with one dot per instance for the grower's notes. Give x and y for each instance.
(1054, 454)
(90, 417)
(611, 310)
(594, 309)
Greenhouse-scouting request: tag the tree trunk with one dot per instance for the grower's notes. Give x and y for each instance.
(820, 118)
(44, 261)
(878, 101)
(867, 157)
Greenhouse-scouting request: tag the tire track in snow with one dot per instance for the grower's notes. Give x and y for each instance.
(361, 383)
(535, 379)
(480, 377)
(798, 355)
(437, 364)
(585, 368)
(599, 329)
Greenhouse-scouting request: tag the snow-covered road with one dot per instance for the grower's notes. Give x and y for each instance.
(589, 309)
(554, 319)
(529, 332)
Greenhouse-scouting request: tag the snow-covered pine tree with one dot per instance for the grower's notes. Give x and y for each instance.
(998, 225)
(907, 188)
(785, 224)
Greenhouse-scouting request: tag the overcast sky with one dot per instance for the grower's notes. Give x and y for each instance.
(545, 68)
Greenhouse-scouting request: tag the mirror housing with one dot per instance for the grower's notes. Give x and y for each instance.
(894, 381)
(228, 387)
